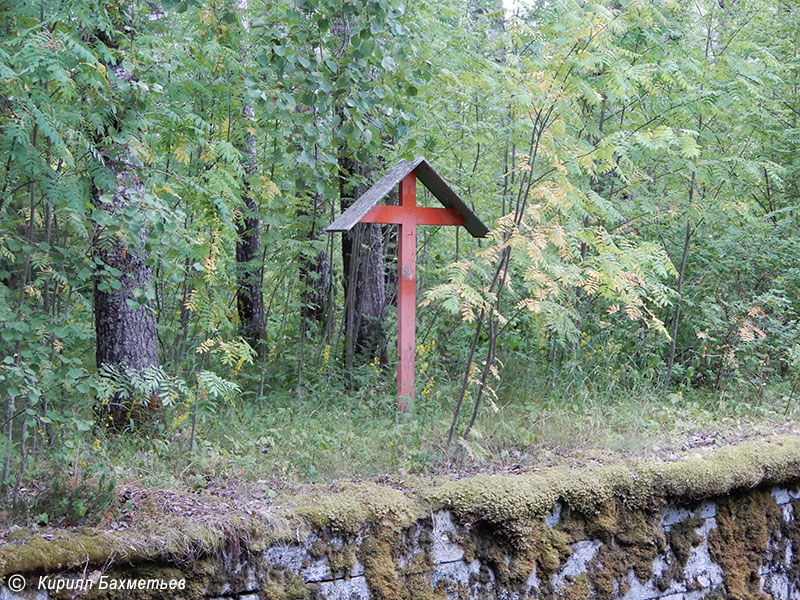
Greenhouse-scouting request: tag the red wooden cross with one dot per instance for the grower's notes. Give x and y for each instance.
(407, 216)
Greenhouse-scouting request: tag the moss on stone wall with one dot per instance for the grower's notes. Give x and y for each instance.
(739, 542)
(349, 507)
(30, 551)
(682, 537)
(282, 585)
(503, 517)
(510, 498)
(177, 539)
(416, 580)
(632, 538)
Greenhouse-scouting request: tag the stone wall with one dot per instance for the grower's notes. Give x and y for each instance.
(744, 544)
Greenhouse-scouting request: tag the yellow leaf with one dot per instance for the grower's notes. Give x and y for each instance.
(208, 154)
(182, 154)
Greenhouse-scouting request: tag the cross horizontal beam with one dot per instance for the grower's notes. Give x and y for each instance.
(416, 215)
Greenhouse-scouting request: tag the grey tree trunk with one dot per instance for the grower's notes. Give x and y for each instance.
(125, 329)
(249, 294)
(363, 264)
(364, 278)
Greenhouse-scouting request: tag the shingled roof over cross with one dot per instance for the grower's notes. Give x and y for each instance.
(429, 178)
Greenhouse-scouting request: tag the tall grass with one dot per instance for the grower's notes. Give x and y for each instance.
(540, 416)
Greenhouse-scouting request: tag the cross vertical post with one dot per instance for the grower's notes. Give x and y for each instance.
(406, 291)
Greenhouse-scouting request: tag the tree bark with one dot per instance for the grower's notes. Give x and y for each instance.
(364, 278)
(249, 294)
(125, 329)
(315, 273)
(363, 264)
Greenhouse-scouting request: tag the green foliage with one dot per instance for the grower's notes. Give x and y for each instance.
(87, 498)
(637, 161)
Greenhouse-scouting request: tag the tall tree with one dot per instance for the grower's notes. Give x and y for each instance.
(249, 295)
(363, 264)
(125, 320)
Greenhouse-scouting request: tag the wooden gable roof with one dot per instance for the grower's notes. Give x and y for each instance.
(429, 178)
